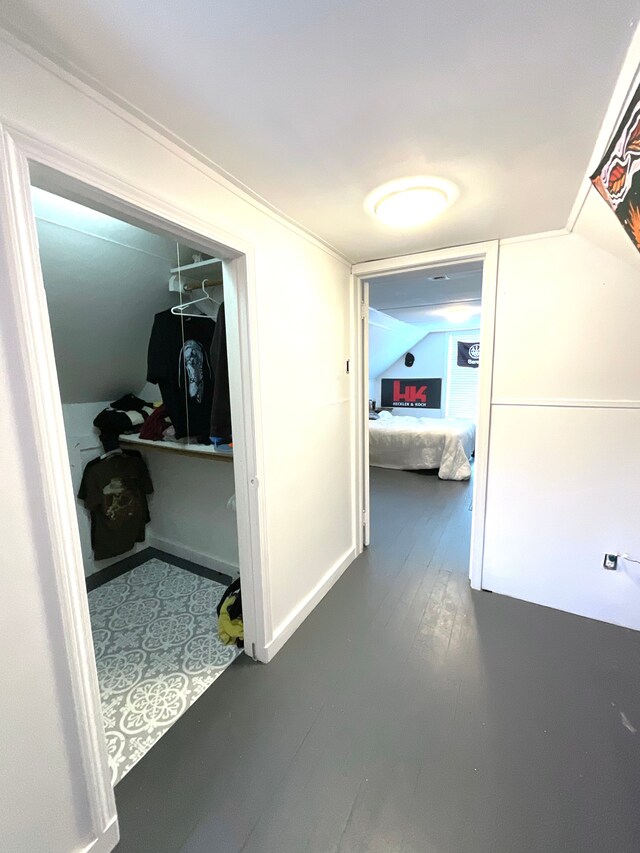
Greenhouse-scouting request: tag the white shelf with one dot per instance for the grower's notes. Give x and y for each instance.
(196, 272)
(203, 450)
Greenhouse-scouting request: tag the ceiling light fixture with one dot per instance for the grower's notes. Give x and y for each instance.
(411, 202)
(458, 313)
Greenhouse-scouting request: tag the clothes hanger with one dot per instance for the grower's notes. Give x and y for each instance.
(117, 452)
(180, 310)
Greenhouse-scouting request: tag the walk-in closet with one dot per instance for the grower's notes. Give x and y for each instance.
(140, 340)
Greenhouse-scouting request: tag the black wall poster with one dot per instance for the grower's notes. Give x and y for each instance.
(411, 393)
(468, 354)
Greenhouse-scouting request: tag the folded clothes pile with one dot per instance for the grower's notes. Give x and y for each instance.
(124, 416)
(157, 425)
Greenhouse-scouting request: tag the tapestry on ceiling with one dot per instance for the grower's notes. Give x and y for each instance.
(617, 178)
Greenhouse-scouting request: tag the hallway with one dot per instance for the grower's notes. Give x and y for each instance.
(407, 715)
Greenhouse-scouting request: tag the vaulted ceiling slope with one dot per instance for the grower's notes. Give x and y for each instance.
(312, 105)
(104, 280)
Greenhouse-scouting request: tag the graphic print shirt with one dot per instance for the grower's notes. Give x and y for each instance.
(181, 367)
(115, 490)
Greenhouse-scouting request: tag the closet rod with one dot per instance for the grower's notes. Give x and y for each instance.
(197, 285)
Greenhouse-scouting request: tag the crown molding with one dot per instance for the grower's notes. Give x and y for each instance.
(80, 80)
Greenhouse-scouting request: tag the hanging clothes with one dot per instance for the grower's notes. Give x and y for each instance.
(221, 404)
(182, 370)
(114, 489)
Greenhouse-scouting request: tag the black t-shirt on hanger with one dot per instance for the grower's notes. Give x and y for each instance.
(114, 490)
(182, 370)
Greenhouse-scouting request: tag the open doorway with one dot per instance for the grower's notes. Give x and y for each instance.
(427, 351)
(143, 359)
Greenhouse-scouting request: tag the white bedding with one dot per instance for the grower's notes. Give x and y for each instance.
(403, 442)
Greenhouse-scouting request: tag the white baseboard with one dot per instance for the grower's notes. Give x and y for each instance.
(106, 841)
(186, 553)
(300, 613)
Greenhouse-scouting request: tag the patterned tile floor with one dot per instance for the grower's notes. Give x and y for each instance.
(157, 650)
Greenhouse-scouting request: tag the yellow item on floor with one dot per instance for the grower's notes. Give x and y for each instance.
(229, 629)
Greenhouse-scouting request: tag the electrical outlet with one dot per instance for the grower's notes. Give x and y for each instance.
(610, 562)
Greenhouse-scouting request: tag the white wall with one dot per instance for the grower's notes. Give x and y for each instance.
(104, 281)
(303, 302)
(304, 305)
(563, 461)
(431, 356)
(189, 513)
(388, 339)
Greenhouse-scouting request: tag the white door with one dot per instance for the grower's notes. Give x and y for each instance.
(365, 381)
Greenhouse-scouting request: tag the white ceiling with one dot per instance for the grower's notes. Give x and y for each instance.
(312, 105)
(417, 299)
(104, 281)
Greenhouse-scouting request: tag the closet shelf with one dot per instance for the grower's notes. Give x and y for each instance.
(202, 450)
(202, 269)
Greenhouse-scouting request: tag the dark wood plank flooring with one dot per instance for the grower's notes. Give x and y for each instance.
(407, 715)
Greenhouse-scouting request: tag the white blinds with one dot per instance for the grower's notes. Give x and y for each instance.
(462, 382)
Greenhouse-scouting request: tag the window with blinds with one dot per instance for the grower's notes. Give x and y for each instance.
(462, 382)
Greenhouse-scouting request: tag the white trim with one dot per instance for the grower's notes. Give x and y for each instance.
(90, 87)
(420, 260)
(540, 235)
(106, 842)
(626, 85)
(104, 188)
(60, 528)
(32, 324)
(566, 402)
(360, 485)
(483, 430)
(299, 614)
(187, 553)
(364, 487)
(244, 385)
(241, 307)
(488, 253)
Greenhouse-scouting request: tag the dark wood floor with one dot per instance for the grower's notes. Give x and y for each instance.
(407, 715)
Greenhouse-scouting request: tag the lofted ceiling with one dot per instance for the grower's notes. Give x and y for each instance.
(312, 105)
(104, 280)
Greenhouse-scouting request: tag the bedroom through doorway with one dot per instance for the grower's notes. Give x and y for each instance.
(425, 423)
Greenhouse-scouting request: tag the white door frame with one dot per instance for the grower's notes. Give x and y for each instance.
(487, 253)
(30, 320)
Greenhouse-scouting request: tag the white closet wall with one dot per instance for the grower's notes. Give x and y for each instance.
(190, 516)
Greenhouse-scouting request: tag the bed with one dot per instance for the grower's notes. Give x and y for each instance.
(407, 443)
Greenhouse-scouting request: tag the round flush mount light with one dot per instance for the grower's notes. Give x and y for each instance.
(458, 313)
(411, 202)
